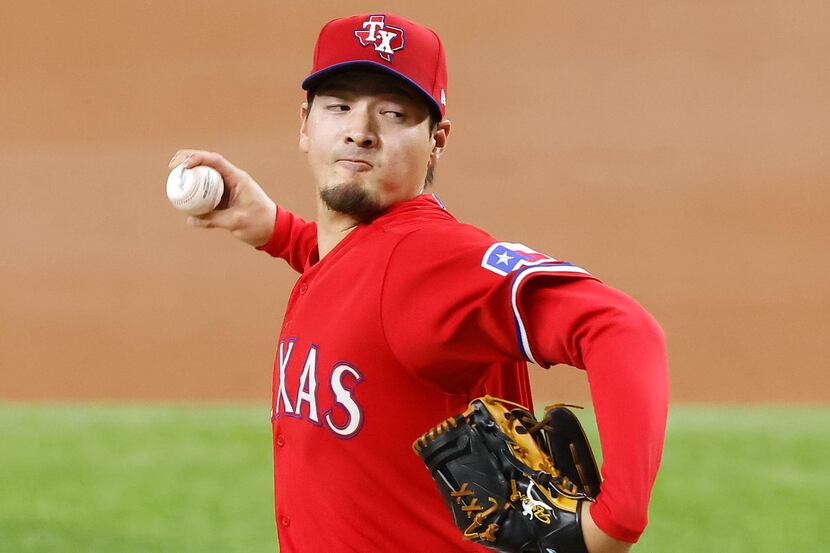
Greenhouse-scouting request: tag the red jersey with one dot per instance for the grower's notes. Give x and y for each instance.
(404, 322)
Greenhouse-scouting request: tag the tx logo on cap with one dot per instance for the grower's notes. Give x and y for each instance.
(385, 38)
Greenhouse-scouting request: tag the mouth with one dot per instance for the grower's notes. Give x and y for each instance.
(354, 164)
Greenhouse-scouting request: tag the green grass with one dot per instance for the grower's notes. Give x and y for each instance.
(135, 479)
(740, 480)
(129, 479)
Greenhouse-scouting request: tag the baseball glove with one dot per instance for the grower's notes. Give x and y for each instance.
(513, 483)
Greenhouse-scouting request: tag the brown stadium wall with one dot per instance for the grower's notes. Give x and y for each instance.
(678, 150)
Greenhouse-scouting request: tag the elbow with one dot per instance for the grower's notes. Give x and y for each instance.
(633, 343)
(633, 321)
(648, 340)
(652, 331)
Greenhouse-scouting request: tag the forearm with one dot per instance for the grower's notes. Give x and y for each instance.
(591, 326)
(625, 360)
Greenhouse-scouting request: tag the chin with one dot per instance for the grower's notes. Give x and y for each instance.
(351, 198)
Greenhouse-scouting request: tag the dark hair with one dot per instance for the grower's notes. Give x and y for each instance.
(434, 119)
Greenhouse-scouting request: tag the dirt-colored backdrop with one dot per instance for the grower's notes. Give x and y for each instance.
(678, 150)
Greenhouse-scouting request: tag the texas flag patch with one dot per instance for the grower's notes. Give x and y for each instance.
(505, 257)
(522, 263)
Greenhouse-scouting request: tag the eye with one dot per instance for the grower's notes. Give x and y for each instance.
(337, 107)
(393, 114)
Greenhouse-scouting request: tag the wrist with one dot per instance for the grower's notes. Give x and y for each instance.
(266, 226)
(596, 540)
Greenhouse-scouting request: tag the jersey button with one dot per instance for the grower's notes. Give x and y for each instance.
(285, 521)
(280, 440)
(303, 288)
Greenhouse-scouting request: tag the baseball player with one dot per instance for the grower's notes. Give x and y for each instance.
(401, 314)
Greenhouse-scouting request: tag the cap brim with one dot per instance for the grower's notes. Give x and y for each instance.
(312, 81)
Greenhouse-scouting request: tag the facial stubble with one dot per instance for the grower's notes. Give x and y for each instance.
(351, 199)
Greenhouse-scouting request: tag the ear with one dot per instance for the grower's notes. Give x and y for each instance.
(439, 140)
(303, 127)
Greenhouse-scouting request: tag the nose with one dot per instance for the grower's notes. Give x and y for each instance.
(360, 128)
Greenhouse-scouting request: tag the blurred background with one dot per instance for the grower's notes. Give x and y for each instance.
(677, 150)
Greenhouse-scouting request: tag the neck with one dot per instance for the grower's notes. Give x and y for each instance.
(332, 227)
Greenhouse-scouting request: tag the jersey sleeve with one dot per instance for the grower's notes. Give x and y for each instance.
(447, 304)
(456, 299)
(293, 239)
(622, 348)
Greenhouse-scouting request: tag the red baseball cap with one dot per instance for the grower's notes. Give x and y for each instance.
(386, 41)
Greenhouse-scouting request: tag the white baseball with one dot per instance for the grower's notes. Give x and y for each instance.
(195, 191)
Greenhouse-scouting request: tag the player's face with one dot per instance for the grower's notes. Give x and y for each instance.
(369, 142)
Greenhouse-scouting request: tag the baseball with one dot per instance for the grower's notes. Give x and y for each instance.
(195, 191)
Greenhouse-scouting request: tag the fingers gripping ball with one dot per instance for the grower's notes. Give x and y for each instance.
(507, 484)
(195, 191)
